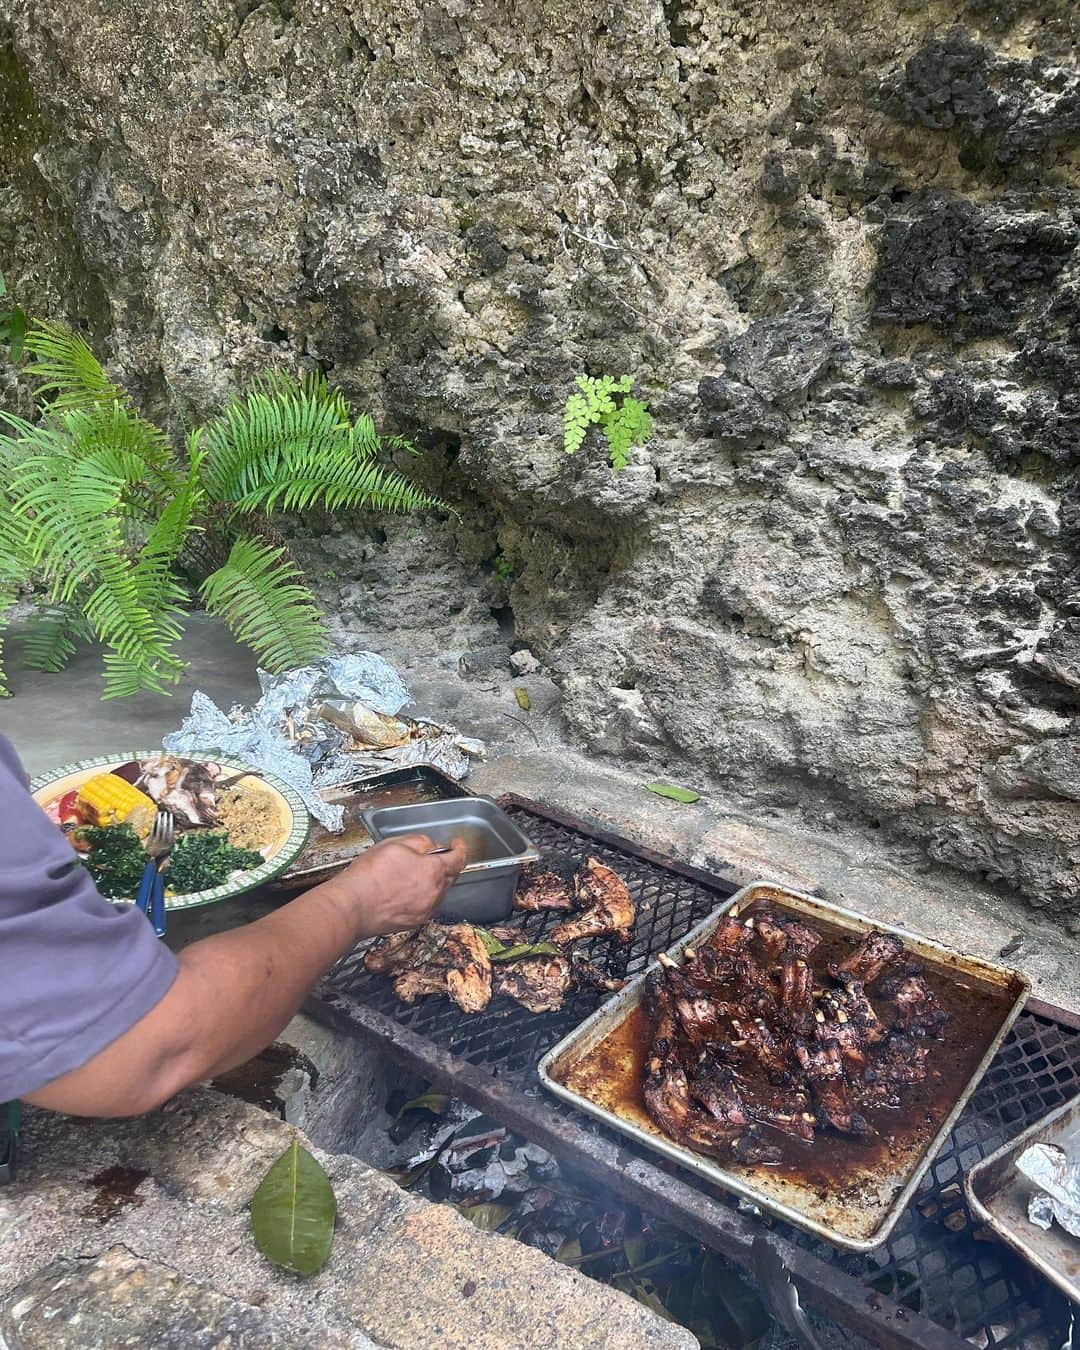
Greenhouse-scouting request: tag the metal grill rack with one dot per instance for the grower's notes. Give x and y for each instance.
(938, 1282)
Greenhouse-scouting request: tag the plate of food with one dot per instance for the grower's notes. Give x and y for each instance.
(235, 828)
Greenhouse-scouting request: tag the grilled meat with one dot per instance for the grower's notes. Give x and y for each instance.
(892, 1067)
(778, 934)
(442, 959)
(847, 1017)
(755, 1041)
(917, 1009)
(824, 1067)
(796, 994)
(701, 1016)
(588, 976)
(730, 936)
(714, 1086)
(539, 983)
(390, 952)
(539, 888)
(606, 904)
(787, 1110)
(869, 959)
(186, 789)
(667, 1090)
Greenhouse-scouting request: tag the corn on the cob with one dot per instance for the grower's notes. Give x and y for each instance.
(109, 800)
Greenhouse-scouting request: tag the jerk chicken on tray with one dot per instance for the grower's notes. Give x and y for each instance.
(748, 1032)
(470, 964)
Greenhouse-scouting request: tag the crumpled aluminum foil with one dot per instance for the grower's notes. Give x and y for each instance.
(1058, 1180)
(284, 734)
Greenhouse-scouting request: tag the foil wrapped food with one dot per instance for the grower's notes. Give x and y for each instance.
(1058, 1181)
(323, 724)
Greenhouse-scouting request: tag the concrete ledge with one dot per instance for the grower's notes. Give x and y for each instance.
(135, 1232)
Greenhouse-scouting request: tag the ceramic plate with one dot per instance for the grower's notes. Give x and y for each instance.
(289, 838)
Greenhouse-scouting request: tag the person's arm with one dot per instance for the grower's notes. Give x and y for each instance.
(234, 992)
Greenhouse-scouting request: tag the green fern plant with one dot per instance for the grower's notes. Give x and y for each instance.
(97, 505)
(606, 402)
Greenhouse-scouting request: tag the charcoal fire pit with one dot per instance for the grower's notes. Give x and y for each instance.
(938, 1282)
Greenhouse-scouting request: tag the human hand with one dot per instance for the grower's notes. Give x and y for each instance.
(397, 884)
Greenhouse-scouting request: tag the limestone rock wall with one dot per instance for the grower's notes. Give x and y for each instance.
(835, 242)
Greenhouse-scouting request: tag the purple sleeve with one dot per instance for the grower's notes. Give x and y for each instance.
(76, 972)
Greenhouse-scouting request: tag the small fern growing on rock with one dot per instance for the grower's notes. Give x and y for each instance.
(96, 504)
(606, 402)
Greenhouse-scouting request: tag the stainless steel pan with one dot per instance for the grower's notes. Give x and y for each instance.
(856, 1211)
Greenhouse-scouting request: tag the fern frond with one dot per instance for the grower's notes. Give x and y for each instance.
(250, 443)
(70, 372)
(50, 636)
(71, 511)
(336, 480)
(260, 594)
(289, 445)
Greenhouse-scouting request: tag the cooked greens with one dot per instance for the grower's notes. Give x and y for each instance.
(115, 861)
(199, 861)
(202, 860)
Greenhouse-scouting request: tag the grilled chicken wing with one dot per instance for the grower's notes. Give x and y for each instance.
(606, 904)
(391, 952)
(869, 959)
(539, 888)
(796, 994)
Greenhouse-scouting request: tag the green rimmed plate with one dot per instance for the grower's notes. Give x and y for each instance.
(288, 839)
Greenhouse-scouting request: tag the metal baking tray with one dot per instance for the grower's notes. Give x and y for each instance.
(484, 891)
(856, 1211)
(326, 853)
(998, 1196)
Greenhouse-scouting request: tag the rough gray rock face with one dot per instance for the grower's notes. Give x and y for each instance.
(837, 247)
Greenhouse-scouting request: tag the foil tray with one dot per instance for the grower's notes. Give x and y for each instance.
(860, 1215)
(998, 1196)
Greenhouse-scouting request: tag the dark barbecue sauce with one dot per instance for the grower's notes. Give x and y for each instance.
(611, 1075)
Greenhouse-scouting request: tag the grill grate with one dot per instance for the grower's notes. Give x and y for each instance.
(934, 1263)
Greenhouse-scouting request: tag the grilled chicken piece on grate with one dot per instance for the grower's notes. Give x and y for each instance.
(917, 1009)
(390, 952)
(869, 959)
(779, 934)
(607, 907)
(539, 888)
(539, 983)
(446, 959)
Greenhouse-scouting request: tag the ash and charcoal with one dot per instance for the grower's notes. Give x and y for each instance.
(322, 725)
(503, 1183)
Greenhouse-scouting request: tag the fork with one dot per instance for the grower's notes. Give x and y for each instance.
(151, 896)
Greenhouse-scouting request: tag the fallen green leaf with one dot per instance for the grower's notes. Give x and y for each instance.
(293, 1212)
(677, 794)
(634, 1250)
(487, 1217)
(522, 696)
(435, 1102)
(569, 1252)
(525, 949)
(491, 944)
(407, 1177)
